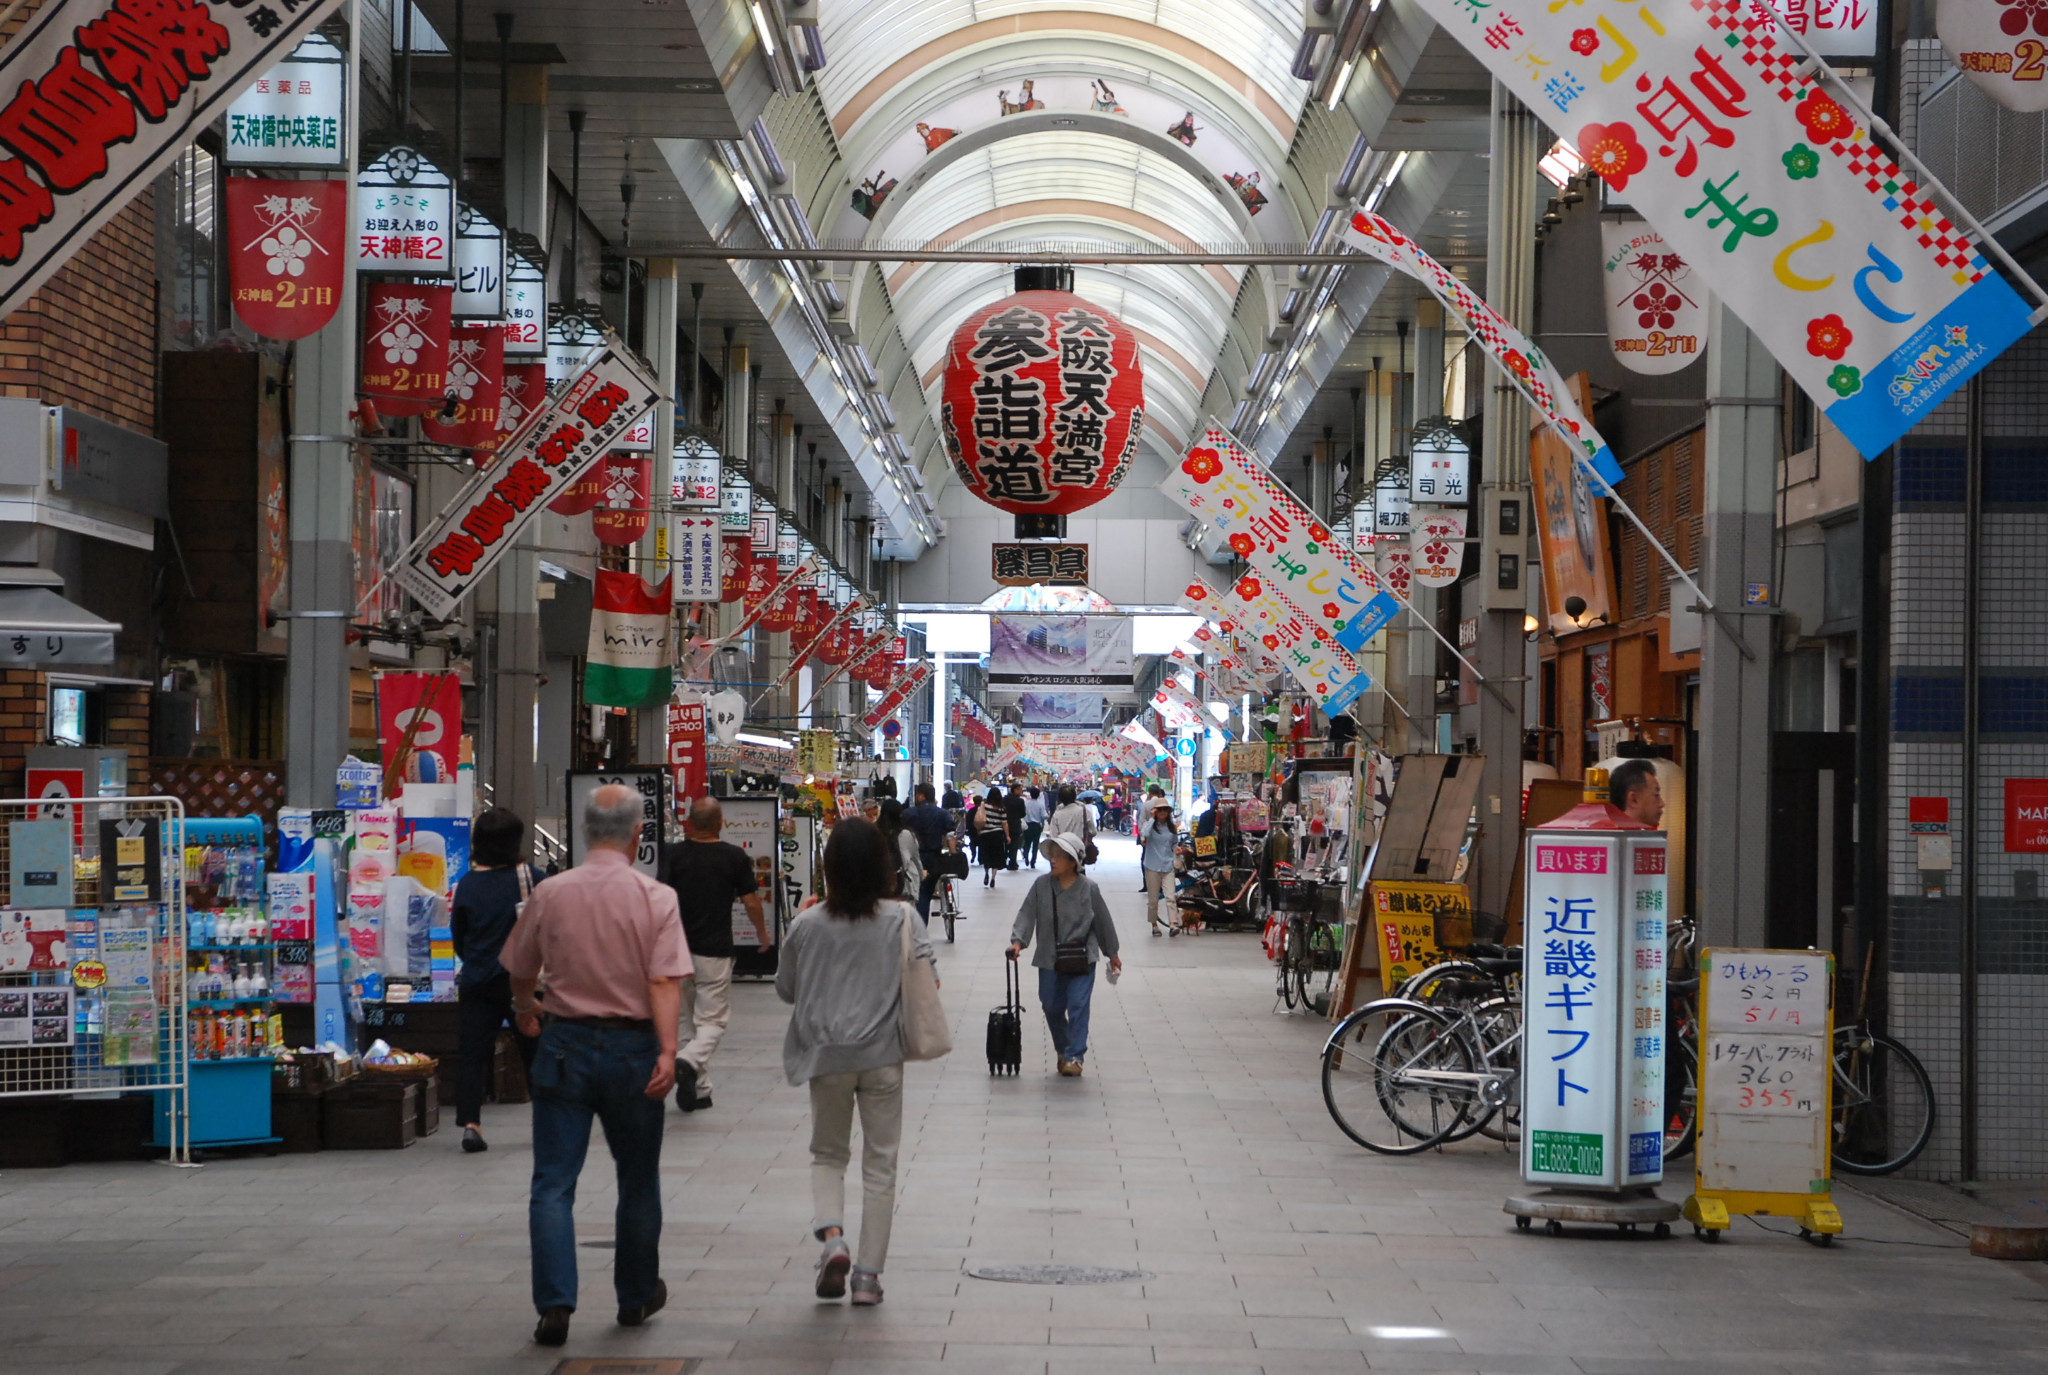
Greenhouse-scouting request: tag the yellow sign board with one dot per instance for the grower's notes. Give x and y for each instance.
(1406, 914)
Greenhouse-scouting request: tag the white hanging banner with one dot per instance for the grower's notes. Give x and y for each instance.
(1656, 311)
(1439, 544)
(2003, 48)
(101, 95)
(1758, 167)
(532, 468)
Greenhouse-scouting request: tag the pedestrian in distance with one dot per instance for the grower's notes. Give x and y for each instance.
(708, 875)
(486, 904)
(611, 941)
(1065, 917)
(992, 836)
(902, 843)
(1034, 826)
(1013, 820)
(1156, 845)
(1071, 818)
(842, 969)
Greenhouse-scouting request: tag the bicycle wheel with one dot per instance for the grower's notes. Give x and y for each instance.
(1435, 983)
(1326, 957)
(1884, 1104)
(1681, 1096)
(949, 908)
(1380, 1077)
(1305, 962)
(1290, 958)
(1498, 1024)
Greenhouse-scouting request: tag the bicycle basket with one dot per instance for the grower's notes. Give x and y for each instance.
(1295, 895)
(1453, 930)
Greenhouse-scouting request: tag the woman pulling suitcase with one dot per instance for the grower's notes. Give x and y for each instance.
(1066, 914)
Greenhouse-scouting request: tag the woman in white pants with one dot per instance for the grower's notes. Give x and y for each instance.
(842, 968)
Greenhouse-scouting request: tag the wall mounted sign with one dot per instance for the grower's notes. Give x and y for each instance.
(292, 116)
(526, 307)
(1390, 504)
(479, 267)
(695, 551)
(97, 108)
(693, 476)
(1021, 565)
(405, 216)
(1439, 463)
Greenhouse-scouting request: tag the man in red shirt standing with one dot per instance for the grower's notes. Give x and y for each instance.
(612, 944)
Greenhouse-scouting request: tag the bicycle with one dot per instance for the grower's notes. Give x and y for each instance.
(949, 906)
(1884, 1103)
(1435, 1076)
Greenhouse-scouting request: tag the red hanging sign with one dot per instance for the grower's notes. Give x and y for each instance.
(782, 611)
(735, 563)
(813, 614)
(285, 241)
(761, 580)
(688, 765)
(621, 513)
(435, 701)
(405, 347)
(838, 642)
(476, 384)
(1043, 402)
(584, 494)
(525, 391)
(882, 670)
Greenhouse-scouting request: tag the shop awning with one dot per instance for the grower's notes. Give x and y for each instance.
(40, 629)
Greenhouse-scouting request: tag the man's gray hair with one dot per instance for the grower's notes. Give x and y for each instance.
(612, 816)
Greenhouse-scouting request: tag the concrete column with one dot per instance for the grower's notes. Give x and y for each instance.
(525, 150)
(782, 449)
(1737, 640)
(1426, 399)
(507, 602)
(322, 520)
(739, 410)
(1501, 653)
(660, 335)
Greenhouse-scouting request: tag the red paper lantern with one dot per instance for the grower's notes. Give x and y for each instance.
(1044, 400)
(286, 242)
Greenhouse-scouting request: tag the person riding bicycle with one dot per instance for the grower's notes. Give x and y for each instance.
(933, 828)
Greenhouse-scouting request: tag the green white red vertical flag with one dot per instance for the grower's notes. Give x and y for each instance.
(629, 664)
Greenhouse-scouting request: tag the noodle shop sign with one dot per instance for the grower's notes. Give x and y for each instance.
(1043, 403)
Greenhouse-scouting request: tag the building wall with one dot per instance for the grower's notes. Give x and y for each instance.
(1925, 917)
(88, 338)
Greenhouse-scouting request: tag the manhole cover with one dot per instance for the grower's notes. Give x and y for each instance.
(1056, 1274)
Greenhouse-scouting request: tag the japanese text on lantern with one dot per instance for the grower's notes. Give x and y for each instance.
(1009, 407)
(1081, 416)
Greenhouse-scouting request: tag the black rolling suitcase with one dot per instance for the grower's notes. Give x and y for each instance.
(1006, 1027)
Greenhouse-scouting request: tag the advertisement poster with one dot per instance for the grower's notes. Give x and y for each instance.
(35, 1016)
(1407, 914)
(128, 998)
(750, 823)
(649, 784)
(131, 860)
(1571, 530)
(434, 701)
(39, 863)
(32, 940)
(1060, 652)
(689, 769)
(1570, 1005)
(1058, 710)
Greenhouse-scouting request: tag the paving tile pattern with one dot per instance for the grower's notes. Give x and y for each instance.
(1196, 1149)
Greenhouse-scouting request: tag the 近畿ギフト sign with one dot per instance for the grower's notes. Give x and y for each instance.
(101, 95)
(1765, 179)
(536, 465)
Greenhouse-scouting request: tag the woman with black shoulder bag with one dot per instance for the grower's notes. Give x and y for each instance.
(1066, 916)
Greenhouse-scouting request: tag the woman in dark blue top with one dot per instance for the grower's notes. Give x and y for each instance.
(486, 904)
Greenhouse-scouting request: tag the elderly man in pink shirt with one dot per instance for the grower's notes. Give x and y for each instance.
(612, 944)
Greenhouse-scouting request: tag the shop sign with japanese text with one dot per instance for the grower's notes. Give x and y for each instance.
(1762, 174)
(1439, 464)
(405, 216)
(285, 253)
(695, 549)
(1571, 994)
(1221, 483)
(479, 267)
(292, 115)
(533, 467)
(1656, 312)
(1021, 565)
(104, 94)
(526, 307)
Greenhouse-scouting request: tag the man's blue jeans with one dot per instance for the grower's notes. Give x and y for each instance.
(580, 1072)
(1065, 998)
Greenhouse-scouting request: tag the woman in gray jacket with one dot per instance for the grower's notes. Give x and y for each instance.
(842, 967)
(1065, 914)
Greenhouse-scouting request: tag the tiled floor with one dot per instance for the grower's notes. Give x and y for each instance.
(1196, 1149)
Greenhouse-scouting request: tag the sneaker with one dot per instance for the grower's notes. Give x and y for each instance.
(640, 1313)
(867, 1289)
(686, 1086)
(832, 1268)
(553, 1328)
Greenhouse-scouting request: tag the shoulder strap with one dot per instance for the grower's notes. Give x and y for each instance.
(525, 879)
